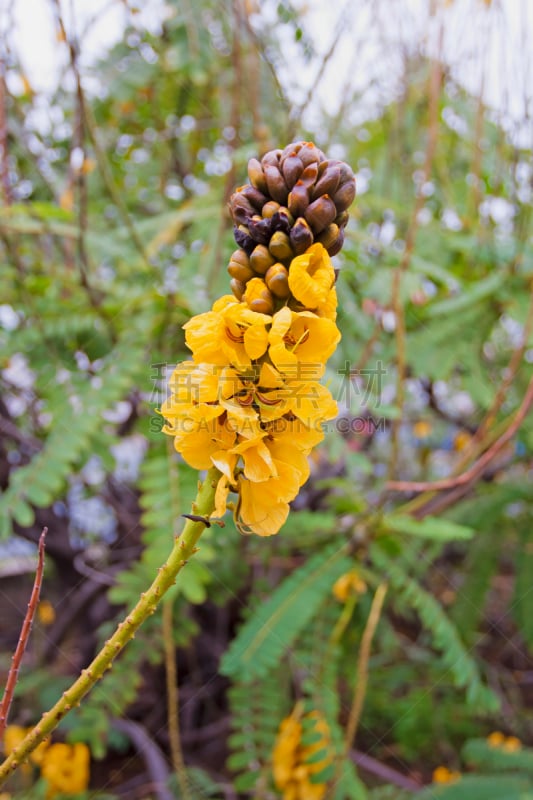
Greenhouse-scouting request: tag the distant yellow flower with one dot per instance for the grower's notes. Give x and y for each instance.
(348, 585)
(311, 277)
(422, 429)
(46, 613)
(445, 775)
(293, 764)
(66, 768)
(495, 739)
(512, 744)
(461, 440)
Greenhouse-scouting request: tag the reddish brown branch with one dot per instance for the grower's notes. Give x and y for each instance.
(477, 469)
(23, 638)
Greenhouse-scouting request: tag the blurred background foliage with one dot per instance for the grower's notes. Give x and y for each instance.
(113, 232)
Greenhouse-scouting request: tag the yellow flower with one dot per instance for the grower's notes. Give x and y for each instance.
(461, 440)
(301, 338)
(422, 429)
(13, 737)
(46, 612)
(445, 775)
(348, 585)
(311, 277)
(66, 768)
(230, 333)
(495, 739)
(512, 744)
(291, 759)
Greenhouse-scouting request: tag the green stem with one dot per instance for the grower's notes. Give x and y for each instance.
(184, 548)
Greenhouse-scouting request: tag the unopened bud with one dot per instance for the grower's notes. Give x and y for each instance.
(310, 153)
(258, 297)
(344, 195)
(328, 181)
(342, 219)
(329, 236)
(282, 220)
(237, 287)
(277, 280)
(292, 167)
(255, 197)
(336, 246)
(301, 236)
(240, 207)
(280, 246)
(272, 158)
(269, 209)
(309, 176)
(243, 238)
(277, 188)
(260, 229)
(257, 176)
(321, 213)
(239, 266)
(298, 199)
(260, 259)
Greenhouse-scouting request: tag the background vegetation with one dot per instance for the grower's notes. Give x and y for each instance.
(113, 232)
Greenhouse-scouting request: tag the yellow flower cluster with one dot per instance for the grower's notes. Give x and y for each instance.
(65, 767)
(510, 744)
(292, 771)
(250, 402)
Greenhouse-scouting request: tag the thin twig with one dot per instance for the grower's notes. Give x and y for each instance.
(156, 766)
(174, 736)
(383, 771)
(4, 150)
(362, 666)
(23, 638)
(477, 469)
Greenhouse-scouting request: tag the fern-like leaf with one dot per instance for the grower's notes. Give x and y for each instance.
(445, 635)
(272, 629)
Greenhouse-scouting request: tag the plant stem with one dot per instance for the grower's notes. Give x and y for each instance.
(184, 548)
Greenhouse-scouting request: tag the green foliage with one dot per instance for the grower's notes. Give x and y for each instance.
(488, 787)
(455, 656)
(268, 634)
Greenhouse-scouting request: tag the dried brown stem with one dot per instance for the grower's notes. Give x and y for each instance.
(4, 150)
(477, 469)
(23, 638)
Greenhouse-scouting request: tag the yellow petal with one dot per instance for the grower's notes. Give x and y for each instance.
(311, 276)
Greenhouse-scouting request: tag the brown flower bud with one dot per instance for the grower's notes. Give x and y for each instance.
(344, 195)
(254, 196)
(328, 182)
(342, 219)
(336, 247)
(321, 213)
(292, 168)
(260, 259)
(243, 238)
(298, 199)
(239, 266)
(277, 280)
(329, 236)
(301, 236)
(277, 188)
(257, 176)
(280, 246)
(237, 287)
(240, 208)
(309, 175)
(310, 153)
(270, 208)
(282, 220)
(272, 158)
(260, 229)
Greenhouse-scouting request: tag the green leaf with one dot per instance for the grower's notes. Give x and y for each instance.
(435, 528)
(271, 630)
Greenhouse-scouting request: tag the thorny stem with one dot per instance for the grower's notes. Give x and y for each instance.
(184, 548)
(23, 639)
(176, 752)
